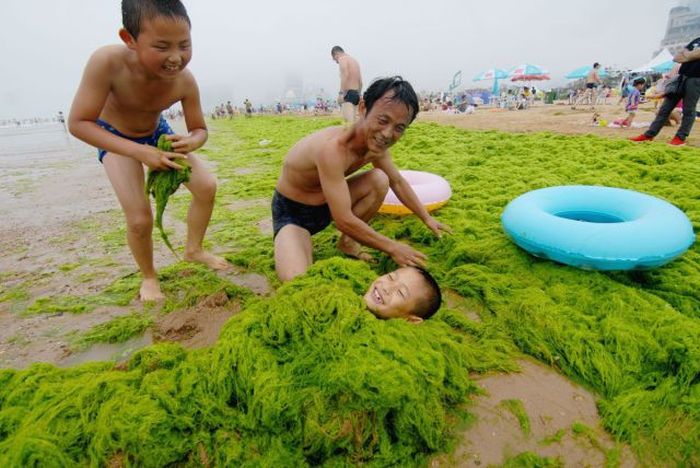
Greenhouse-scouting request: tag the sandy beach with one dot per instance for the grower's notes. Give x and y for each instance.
(557, 118)
(63, 235)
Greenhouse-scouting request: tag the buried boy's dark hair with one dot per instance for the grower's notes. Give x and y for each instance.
(402, 92)
(135, 12)
(431, 303)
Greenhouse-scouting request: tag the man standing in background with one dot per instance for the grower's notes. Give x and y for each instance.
(350, 83)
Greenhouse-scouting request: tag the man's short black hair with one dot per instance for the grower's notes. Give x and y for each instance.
(639, 80)
(135, 12)
(336, 49)
(403, 92)
(596, 65)
(430, 304)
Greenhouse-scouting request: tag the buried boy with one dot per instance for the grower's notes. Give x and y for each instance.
(407, 293)
(117, 109)
(313, 189)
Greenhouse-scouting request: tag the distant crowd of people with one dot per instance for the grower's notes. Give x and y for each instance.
(228, 111)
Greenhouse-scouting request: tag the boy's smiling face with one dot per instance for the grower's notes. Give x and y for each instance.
(397, 294)
(164, 45)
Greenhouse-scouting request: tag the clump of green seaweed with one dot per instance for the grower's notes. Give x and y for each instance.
(162, 184)
(633, 337)
(307, 377)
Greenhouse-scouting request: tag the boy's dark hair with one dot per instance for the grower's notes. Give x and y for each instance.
(429, 305)
(135, 12)
(639, 80)
(596, 65)
(403, 92)
(336, 49)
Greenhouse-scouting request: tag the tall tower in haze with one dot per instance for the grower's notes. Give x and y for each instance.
(683, 26)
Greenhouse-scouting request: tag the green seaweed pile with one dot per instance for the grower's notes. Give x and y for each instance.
(307, 377)
(163, 184)
(632, 337)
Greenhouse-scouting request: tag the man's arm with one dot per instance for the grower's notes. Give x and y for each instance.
(344, 74)
(194, 119)
(337, 194)
(408, 197)
(686, 55)
(85, 110)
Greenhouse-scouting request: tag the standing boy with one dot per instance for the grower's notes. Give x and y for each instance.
(117, 109)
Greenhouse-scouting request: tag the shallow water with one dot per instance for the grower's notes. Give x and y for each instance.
(108, 351)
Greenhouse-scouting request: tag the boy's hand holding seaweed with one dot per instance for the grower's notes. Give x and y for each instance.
(163, 183)
(185, 143)
(161, 158)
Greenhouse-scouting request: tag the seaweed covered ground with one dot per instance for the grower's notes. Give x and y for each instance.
(633, 338)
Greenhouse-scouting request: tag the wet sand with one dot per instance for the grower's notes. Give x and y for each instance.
(56, 205)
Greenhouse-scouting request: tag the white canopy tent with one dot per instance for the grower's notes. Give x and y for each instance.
(661, 57)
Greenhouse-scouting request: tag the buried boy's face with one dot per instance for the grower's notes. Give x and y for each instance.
(164, 45)
(397, 294)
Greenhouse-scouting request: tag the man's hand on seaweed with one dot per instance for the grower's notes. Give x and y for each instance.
(437, 227)
(404, 255)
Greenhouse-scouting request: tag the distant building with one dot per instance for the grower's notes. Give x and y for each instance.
(293, 88)
(683, 26)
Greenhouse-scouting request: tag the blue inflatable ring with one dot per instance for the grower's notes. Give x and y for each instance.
(598, 228)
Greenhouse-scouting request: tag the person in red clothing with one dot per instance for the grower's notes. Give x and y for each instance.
(689, 58)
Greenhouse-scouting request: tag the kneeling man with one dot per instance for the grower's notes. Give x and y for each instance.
(314, 188)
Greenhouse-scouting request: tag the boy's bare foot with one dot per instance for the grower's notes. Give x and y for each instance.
(208, 259)
(150, 290)
(352, 248)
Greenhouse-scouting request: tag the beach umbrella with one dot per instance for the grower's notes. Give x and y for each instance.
(528, 72)
(582, 72)
(664, 67)
(494, 74)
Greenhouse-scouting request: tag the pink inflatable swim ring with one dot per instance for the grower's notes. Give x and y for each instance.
(432, 190)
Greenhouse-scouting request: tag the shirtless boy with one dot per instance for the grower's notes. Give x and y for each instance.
(350, 83)
(117, 109)
(313, 190)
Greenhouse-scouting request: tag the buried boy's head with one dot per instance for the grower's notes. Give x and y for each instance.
(409, 293)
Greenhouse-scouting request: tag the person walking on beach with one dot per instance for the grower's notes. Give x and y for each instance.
(248, 107)
(350, 83)
(592, 82)
(689, 92)
(118, 109)
(313, 190)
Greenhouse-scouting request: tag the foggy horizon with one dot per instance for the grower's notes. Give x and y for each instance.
(251, 50)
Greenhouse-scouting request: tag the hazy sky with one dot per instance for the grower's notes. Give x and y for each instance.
(249, 48)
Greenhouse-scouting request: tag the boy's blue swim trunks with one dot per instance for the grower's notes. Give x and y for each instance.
(152, 140)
